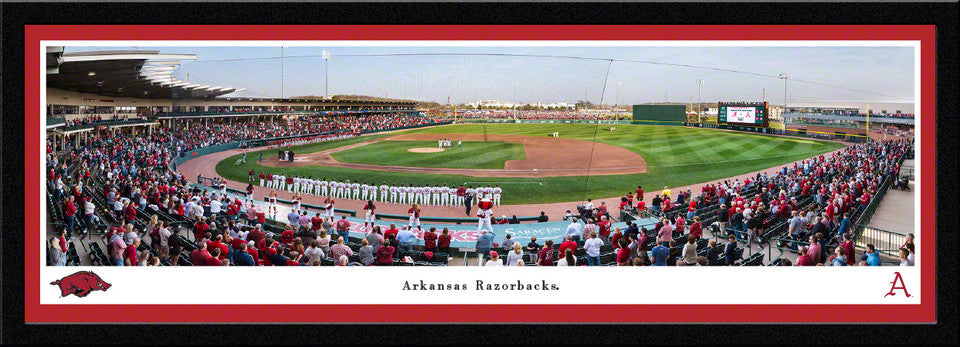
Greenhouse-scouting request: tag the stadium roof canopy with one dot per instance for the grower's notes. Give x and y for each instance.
(129, 73)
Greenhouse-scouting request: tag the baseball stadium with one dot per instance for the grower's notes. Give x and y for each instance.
(345, 156)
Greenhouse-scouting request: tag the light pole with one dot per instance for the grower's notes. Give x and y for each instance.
(784, 77)
(281, 71)
(618, 100)
(326, 57)
(515, 100)
(699, 102)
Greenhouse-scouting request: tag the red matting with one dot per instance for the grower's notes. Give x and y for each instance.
(35, 312)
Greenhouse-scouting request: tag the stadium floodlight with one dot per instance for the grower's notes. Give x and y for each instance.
(784, 77)
(326, 77)
(699, 100)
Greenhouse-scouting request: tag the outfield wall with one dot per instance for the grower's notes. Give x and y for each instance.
(660, 113)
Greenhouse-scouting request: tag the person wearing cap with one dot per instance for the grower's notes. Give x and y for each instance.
(484, 243)
(494, 259)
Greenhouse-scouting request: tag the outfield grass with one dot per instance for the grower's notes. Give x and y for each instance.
(676, 156)
(473, 155)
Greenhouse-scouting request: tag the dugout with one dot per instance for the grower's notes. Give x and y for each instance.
(659, 114)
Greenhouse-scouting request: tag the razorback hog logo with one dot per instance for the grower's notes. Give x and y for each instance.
(80, 284)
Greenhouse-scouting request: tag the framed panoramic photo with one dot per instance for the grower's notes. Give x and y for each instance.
(390, 166)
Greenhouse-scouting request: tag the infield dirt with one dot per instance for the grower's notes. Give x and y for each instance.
(545, 157)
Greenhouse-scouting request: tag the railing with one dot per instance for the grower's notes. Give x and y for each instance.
(886, 242)
(106, 124)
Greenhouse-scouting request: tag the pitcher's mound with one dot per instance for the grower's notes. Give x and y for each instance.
(425, 150)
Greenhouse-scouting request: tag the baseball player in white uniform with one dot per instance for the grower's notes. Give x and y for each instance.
(411, 192)
(480, 196)
(283, 182)
(444, 195)
(436, 195)
(383, 192)
(365, 191)
(373, 192)
(340, 187)
(276, 182)
(403, 193)
(296, 184)
(454, 198)
(496, 195)
(425, 194)
(356, 190)
(323, 187)
(488, 192)
(393, 194)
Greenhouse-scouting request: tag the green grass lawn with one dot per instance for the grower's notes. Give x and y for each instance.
(676, 156)
(473, 155)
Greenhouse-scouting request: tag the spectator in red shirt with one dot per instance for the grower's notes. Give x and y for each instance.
(696, 229)
(69, 210)
(316, 222)
(604, 228)
(343, 228)
(130, 253)
(129, 212)
(392, 231)
(200, 228)
(848, 249)
(430, 240)
(567, 244)
(546, 254)
(216, 258)
(256, 235)
(385, 253)
(804, 259)
(443, 242)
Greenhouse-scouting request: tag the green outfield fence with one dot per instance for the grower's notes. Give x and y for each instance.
(570, 121)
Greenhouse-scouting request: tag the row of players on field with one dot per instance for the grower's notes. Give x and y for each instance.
(424, 195)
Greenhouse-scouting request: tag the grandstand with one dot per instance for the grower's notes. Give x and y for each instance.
(134, 153)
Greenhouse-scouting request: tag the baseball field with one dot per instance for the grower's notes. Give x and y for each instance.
(584, 161)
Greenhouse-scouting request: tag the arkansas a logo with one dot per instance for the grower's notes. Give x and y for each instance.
(894, 287)
(80, 284)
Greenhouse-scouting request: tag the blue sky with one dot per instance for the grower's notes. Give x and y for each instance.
(887, 72)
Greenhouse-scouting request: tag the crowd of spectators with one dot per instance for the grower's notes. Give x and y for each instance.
(891, 130)
(837, 186)
(111, 180)
(125, 176)
(537, 115)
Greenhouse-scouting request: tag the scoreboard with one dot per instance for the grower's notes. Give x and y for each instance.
(743, 113)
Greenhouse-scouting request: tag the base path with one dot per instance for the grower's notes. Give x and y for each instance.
(545, 157)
